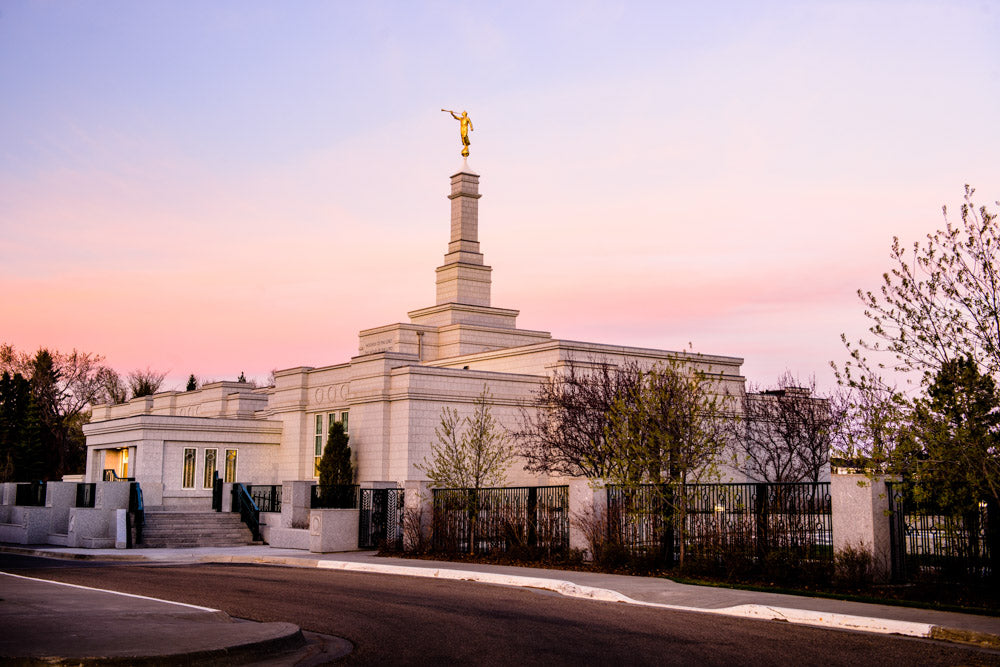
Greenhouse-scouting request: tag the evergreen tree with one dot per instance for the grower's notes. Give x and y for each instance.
(192, 383)
(33, 453)
(953, 447)
(44, 446)
(335, 467)
(15, 393)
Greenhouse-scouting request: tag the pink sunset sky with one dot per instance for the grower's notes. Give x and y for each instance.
(212, 188)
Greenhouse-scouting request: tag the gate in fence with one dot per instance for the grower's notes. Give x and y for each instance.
(380, 521)
(929, 543)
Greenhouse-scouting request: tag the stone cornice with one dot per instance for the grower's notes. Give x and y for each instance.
(175, 423)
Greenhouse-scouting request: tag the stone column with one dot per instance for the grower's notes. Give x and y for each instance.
(295, 504)
(860, 509)
(418, 511)
(463, 278)
(588, 508)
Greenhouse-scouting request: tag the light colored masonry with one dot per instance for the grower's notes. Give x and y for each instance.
(391, 394)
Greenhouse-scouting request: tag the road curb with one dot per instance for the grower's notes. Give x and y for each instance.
(43, 553)
(831, 620)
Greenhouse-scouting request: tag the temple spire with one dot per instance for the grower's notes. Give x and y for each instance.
(463, 278)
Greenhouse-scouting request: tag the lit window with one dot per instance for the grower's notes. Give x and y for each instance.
(211, 465)
(318, 446)
(187, 478)
(343, 418)
(319, 436)
(230, 466)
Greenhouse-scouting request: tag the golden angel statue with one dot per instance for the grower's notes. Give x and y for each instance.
(465, 128)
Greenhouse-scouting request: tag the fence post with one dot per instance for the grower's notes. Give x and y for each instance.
(861, 520)
(993, 538)
(760, 519)
(295, 507)
(418, 512)
(531, 516)
(588, 513)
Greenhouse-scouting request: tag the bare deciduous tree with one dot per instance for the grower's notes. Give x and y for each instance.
(940, 301)
(784, 434)
(670, 432)
(564, 430)
(473, 452)
(145, 382)
(113, 388)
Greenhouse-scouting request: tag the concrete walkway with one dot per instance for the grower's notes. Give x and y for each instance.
(649, 591)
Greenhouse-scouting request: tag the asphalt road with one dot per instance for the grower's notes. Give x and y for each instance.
(405, 620)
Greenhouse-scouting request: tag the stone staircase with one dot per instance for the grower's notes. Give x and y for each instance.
(178, 530)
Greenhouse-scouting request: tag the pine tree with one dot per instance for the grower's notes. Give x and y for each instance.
(335, 467)
(15, 393)
(192, 383)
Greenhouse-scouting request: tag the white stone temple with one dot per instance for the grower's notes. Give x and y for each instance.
(390, 395)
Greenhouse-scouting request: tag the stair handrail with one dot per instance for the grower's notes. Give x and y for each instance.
(249, 512)
(136, 515)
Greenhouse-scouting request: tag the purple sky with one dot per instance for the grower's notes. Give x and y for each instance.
(213, 188)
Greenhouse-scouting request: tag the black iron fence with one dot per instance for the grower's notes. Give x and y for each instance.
(110, 475)
(30, 494)
(86, 494)
(535, 518)
(267, 497)
(334, 497)
(930, 544)
(723, 524)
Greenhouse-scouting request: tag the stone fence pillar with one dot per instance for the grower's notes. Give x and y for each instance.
(588, 512)
(295, 503)
(860, 516)
(418, 512)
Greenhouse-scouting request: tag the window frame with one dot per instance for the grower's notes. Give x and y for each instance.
(206, 474)
(227, 478)
(188, 476)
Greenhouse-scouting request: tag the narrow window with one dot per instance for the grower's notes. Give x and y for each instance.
(318, 447)
(343, 418)
(230, 466)
(319, 435)
(187, 479)
(211, 465)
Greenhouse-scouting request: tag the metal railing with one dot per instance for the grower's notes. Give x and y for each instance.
(534, 518)
(249, 512)
(30, 494)
(720, 522)
(336, 496)
(86, 494)
(110, 475)
(267, 497)
(136, 515)
(216, 492)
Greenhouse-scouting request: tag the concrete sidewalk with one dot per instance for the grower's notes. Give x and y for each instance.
(648, 591)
